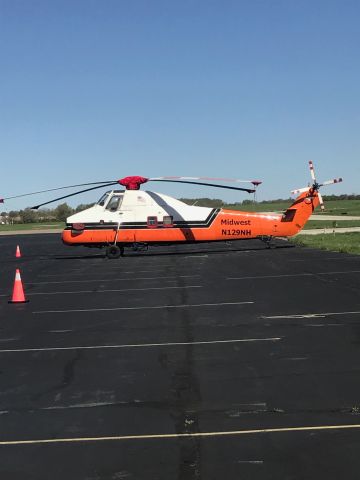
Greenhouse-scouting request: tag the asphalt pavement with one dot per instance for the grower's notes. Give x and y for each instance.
(208, 361)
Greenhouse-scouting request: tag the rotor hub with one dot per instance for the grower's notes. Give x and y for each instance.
(132, 183)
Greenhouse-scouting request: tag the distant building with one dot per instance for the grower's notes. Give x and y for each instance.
(4, 218)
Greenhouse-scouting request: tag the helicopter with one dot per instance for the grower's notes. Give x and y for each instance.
(136, 218)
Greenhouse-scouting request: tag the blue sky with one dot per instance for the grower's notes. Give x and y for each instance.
(98, 90)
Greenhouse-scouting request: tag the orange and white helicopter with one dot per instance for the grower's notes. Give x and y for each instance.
(135, 218)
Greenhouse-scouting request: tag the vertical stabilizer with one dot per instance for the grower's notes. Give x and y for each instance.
(299, 212)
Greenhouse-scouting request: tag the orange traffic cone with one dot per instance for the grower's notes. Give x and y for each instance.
(18, 253)
(18, 291)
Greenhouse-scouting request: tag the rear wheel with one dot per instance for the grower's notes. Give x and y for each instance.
(114, 251)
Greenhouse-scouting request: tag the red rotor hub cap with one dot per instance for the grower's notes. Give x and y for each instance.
(132, 183)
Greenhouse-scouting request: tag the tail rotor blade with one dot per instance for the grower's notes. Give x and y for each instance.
(312, 172)
(321, 201)
(330, 182)
(299, 190)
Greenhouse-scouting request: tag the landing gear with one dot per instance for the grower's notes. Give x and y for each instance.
(140, 247)
(267, 240)
(114, 251)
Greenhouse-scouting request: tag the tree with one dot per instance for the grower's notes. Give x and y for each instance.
(62, 212)
(83, 206)
(28, 215)
(203, 202)
(13, 216)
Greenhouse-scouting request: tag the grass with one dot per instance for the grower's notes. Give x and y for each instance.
(31, 226)
(332, 207)
(330, 224)
(261, 207)
(340, 242)
(341, 207)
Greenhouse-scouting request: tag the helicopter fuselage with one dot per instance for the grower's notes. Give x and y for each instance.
(135, 216)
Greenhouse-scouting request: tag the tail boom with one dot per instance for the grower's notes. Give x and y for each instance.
(296, 216)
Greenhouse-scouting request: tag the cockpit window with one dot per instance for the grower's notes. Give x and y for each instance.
(114, 203)
(102, 200)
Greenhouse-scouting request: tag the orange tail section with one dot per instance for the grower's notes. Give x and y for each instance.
(299, 212)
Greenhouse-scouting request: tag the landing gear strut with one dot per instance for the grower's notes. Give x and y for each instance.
(140, 247)
(114, 251)
(267, 239)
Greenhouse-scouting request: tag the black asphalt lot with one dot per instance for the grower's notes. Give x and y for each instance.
(112, 361)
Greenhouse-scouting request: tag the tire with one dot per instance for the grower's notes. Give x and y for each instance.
(113, 251)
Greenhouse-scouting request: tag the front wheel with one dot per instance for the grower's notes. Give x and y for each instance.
(114, 251)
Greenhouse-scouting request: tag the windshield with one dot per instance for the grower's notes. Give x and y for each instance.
(114, 203)
(102, 200)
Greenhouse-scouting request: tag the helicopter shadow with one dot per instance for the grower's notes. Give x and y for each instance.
(184, 252)
(148, 253)
(207, 251)
(80, 257)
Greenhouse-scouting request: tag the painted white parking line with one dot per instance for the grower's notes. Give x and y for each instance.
(270, 276)
(310, 315)
(60, 331)
(112, 290)
(77, 274)
(157, 307)
(139, 345)
(122, 279)
(255, 277)
(337, 273)
(113, 270)
(100, 404)
(115, 438)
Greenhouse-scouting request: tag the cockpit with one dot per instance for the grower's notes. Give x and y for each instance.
(103, 199)
(114, 203)
(111, 200)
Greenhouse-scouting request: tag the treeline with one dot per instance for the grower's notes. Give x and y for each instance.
(216, 202)
(341, 197)
(204, 202)
(44, 215)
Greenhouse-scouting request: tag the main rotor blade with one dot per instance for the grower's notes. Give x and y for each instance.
(248, 190)
(235, 180)
(72, 194)
(54, 189)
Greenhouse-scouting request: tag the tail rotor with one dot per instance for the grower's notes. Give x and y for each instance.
(315, 187)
